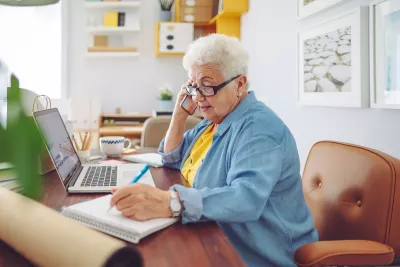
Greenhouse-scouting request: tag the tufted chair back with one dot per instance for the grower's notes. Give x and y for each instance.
(353, 193)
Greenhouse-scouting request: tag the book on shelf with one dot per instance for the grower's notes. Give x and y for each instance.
(114, 19)
(111, 19)
(121, 19)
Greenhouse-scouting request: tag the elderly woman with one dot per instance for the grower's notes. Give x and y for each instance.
(241, 162)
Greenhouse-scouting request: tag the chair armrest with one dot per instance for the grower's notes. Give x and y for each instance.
(343, 252)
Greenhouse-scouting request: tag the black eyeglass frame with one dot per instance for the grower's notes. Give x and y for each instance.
(215, 88)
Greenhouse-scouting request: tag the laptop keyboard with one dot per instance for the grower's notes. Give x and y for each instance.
(100, 176)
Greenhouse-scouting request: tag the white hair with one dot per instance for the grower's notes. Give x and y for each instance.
(225, 52)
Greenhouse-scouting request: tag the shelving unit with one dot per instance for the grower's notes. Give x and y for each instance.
(112, 28)
(225, 21)
(127, 125)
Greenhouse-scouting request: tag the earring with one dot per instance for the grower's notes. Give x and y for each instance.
(240, 94)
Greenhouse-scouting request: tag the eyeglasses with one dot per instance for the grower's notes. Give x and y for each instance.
(207, 90)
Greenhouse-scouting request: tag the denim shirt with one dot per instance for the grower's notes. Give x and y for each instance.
(250, 184)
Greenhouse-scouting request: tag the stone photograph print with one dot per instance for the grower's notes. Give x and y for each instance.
(392, 51)
(327, 62)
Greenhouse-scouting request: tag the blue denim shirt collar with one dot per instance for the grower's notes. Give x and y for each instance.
(237, 113)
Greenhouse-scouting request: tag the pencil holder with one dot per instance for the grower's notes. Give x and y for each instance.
(84, 155)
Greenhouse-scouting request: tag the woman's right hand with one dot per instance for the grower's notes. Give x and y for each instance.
(176, 130)
(178, 111)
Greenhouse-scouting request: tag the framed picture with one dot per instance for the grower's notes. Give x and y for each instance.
(308, 7)
(333, 66)
(385, 54)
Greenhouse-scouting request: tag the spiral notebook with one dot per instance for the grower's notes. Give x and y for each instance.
(153, 159)
(93, 213)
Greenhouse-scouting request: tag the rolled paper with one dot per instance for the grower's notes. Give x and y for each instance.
(46, 238)
(125, 257)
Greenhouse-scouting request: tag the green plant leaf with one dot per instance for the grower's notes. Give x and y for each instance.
(23, 144)
(4, 145)
(165, 94)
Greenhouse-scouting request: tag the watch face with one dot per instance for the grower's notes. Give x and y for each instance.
(175, 206)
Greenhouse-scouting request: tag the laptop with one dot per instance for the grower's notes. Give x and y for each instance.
(75, 176)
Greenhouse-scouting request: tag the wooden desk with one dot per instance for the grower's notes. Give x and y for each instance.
(201, 244)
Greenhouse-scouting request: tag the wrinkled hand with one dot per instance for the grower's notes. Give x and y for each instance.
(178, 111)
(141, 202)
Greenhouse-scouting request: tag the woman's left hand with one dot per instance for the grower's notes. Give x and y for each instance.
(141, 202)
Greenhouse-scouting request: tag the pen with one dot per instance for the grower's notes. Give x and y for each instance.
(140, 174)
(137, 177)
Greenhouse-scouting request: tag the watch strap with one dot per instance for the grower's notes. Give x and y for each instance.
(175, 200)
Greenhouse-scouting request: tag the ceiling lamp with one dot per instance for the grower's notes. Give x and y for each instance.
(28, 2)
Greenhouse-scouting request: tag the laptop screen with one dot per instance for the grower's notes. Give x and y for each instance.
(58, 142)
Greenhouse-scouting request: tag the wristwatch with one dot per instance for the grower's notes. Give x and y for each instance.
(175, 204)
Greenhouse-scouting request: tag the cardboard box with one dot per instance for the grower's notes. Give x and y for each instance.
(196, 14)
(101, 40)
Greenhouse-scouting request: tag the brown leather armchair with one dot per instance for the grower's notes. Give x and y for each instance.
(354, 195)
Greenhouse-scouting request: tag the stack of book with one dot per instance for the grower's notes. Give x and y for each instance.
(8, 178)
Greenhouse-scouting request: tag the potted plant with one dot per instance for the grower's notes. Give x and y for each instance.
(165, 99)
(166, 5)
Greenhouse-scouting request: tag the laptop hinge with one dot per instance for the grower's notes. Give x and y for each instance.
(75, 176)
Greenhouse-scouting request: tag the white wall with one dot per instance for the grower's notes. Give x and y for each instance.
(269, 33)
(129, 83)
(31, 46)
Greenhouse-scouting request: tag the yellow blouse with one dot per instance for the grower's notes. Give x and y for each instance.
(197, 154)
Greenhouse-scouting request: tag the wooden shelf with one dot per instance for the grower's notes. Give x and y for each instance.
(118, 130)
(96, 49)
(129, 131)
(127, 115)
(112, 29)
(111, 54)
(200, 24)
(162, 54)
(108, 5)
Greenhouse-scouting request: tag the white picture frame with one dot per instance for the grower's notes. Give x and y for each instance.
(380, 97)
(333, 62)
(306, 8)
